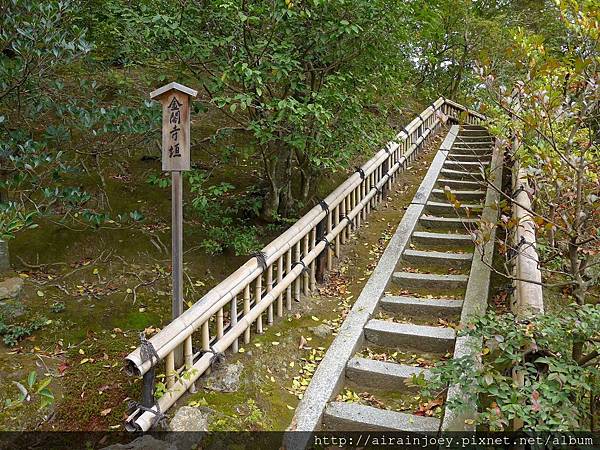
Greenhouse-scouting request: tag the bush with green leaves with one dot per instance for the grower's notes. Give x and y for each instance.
(558, 393)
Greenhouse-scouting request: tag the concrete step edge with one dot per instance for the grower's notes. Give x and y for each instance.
(341, 416)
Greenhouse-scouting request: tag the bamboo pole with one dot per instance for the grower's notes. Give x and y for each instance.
(257, 299)
(336, 218)
(297, 283)
(306, 276)
(279, 278)
(189, 355)
(313, 264)
(170, 369)
(234, 320)
(220, 323)
(269, 289)
(288, 269)
(246, 312)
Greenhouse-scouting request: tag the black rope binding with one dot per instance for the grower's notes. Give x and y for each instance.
(261, 257)
(159, 416)
(324, 206)
(421, 118)
(406, 132)
(148, 353)
(327, 243)
(361, 172)
(147, 350)
(217, 357)
(304, 268)
(350, 221)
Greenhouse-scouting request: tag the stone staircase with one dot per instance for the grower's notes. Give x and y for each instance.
(425, 277)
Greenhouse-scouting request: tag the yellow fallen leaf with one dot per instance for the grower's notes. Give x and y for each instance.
(40, 293)
(84, 360)
(81, 351)
(105, 412)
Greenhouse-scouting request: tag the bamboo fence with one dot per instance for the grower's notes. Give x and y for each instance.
(283, 271)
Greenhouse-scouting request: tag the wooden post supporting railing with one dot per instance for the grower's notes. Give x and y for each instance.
(306, 248)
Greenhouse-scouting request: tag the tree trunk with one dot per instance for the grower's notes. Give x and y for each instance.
(279, 197)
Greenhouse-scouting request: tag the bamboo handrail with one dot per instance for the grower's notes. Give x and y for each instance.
(353, 197)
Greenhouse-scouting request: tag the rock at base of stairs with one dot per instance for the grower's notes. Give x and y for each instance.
(10, 288)
(10, 304)
(188, 418)
(224, 379)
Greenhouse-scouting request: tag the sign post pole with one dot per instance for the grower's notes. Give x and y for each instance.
(175, 99)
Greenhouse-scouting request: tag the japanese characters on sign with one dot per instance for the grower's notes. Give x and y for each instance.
(175, 100)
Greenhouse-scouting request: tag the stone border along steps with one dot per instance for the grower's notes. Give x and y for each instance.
(431, 242)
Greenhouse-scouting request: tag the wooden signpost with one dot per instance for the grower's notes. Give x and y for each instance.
(175, 99)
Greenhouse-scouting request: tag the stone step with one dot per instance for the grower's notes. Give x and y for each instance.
(479, 152)
(448, 209)
(468, 158)
(382, 375)
(419, 307)
(341, 416)
(447, 223)
(415, 337)
(430, 281)
(469, 138)
(461, 175)
(441, 239)
(438, 259)
(470, 166)
(460, 195)
(474, 132)
(460, 184)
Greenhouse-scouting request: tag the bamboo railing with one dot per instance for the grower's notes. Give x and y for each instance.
(284, 270)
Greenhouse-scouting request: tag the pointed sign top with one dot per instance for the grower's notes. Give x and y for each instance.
(172, 86)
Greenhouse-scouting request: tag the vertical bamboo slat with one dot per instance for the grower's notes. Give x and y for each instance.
(220, 323)
(298, 280)
(170, 369)
(234, 320)
(246, 311)
(288, 269)
(313, 264)
(306, 275)
(269, 289)
(279, 278)
(329, 251)
(188, 354)
(258, 298)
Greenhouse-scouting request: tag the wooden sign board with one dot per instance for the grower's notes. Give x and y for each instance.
(175, 99)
